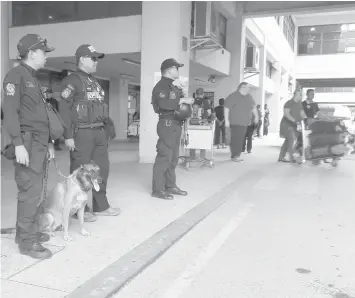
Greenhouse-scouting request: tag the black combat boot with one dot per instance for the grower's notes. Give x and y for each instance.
(162, 195)
(36, 251)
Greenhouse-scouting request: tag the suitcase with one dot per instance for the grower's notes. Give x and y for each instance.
(326, 139)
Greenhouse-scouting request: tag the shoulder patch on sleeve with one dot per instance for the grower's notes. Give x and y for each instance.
(66, 92)
(10, 89)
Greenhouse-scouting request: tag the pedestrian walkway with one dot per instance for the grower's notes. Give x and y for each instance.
(142, 216)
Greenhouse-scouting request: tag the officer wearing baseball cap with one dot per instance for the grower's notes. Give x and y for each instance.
(167, 96)
(26, 121)
(85, 114)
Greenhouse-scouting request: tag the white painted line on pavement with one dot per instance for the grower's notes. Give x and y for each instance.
(186, 278)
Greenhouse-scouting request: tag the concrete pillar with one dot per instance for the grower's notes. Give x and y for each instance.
(164, 26)
(236, 46)
(275, 100)
(260, 92)
(119, 106)
(5, 8)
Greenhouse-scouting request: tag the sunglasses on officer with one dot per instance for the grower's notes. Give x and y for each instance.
(94, 59)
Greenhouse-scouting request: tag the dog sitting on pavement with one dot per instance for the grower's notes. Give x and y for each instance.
(69, 197)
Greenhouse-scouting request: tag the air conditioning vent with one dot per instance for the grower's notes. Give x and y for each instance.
(205, 20)
(252, 57)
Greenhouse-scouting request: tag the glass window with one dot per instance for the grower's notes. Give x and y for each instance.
(333, 47)
(327, 39)
(268, 70)
(222, 30)
(289, 31)
(26, 13)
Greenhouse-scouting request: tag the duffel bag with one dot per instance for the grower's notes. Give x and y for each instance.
(322, 126)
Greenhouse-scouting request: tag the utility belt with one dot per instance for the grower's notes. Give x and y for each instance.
(169, 122)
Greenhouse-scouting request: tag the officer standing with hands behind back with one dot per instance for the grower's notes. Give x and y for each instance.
(26, 121)
(168, 102)
(85, 114)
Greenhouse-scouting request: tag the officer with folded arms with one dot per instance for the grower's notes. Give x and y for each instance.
(168, 101)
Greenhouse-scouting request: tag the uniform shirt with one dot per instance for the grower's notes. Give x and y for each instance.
(295, 110)
(240, 108)
(166, 97)
(311, 109)
(72, 89)
(24, 109)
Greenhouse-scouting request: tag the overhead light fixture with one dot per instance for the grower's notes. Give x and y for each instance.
(131, 62)
(313, 29)
(127, 76)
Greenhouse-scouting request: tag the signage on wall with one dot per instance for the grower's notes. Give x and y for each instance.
(184, 44)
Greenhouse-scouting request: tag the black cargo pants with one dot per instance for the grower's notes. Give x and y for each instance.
(29, 182)
(91, 145)
(169, 133)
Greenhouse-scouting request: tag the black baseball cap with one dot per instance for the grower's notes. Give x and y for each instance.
(168, 63)
(87, 50)
(32, 42)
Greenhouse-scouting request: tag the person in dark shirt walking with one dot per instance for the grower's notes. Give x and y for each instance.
(248, 140)
(310, 107)
(220, 125)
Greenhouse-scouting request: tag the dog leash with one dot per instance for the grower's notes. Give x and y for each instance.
(45, 178)
(45, 181)
(58, 170)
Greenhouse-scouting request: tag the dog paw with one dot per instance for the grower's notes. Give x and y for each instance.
(85, 233)
(52, 234)
(68, 238)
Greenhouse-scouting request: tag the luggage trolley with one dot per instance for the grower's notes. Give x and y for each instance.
(332, 150)
(198, 137)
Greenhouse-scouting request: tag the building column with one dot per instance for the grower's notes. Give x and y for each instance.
(236, 46)
(260, 92)
(275, 100)
(118, 106)
(164, 27)
(5, 8)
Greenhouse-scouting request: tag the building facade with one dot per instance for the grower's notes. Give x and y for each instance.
(220, 43)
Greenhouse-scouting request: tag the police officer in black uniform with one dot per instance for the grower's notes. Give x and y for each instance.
(166, 97)
(26, 121)
(85, 113)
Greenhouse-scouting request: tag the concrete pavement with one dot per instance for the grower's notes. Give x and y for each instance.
(129, 188)
(288, 234)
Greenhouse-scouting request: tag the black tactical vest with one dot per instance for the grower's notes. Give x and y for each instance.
(92, 110)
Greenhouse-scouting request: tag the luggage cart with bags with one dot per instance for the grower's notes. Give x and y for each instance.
(325, 138)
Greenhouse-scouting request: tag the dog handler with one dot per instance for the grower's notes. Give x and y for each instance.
(26, 121)
(166, 98)
(85, 114)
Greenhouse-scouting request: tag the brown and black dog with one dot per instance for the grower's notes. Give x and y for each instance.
(69, 197)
